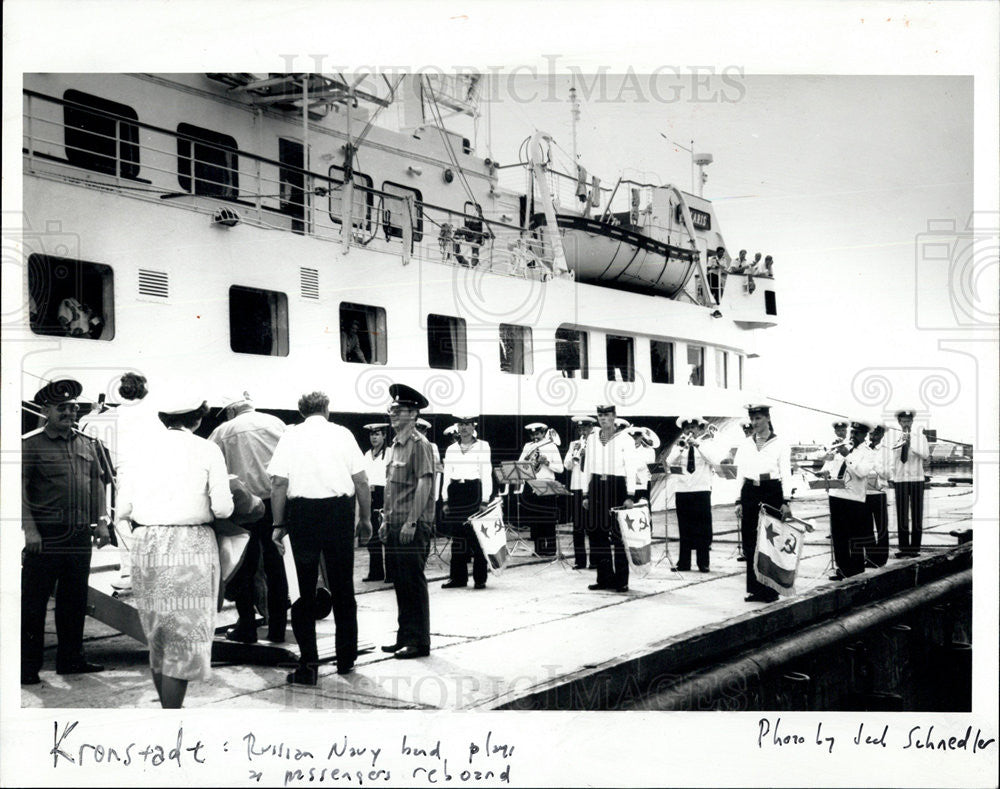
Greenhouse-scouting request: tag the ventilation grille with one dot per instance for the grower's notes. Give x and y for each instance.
(153, 283)
(309, 283)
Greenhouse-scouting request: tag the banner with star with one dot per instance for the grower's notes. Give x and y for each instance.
(636, 529)
(491, 532)
(779, 550)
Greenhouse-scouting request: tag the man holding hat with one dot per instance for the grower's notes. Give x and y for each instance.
(609, 479)
(467, 485)
(375, 460)
(63, 516)
(763, 469)
(541, 511)
(693, 494)
(247, 440)
(908, 457)
(850, 520)
(408, 523)
(318, 469)
(575, 458)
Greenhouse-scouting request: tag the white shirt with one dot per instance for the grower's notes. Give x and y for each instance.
(123, 429)
(882, 460)
(468, 463)
(773, 459)
(617, 457)
(643, 457)
(701, 478)
(859, 464)
(576, 469)
(247, 442)
(913, 469)
(177, 479)
(318, 458)
(375, 467)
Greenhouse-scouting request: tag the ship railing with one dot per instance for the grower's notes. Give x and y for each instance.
(148, 162)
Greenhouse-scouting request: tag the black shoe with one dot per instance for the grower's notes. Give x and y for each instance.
(901, 555)
(685, 569)
(276, 639)
(454, 585)
(242, 635)
(80, 668)
(28, 678)
(703, 570)
(598, 587)
(621, 588)
(579, 567)
(837, 576)
(368, 578)
(480, 585)
(741, 558)
(390, 648)
(303, 676)
(345, 669)
(408, 652)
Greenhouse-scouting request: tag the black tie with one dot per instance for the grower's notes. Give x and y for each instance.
(690, 460)
(904, 453)
(843, 470)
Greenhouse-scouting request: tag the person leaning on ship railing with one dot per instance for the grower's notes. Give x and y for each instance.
(763, 467)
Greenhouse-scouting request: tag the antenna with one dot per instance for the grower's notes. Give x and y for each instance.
(575, 114)
(702, 160)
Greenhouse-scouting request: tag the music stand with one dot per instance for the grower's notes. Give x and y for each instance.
(552, 487)
(822, 483)
(515, 472)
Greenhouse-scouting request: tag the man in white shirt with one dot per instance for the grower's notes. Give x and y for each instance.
(466, 486)
(318, 471)
(247, 440)
(875, 496)
(693, 493)
(375, 460)
(850, 521)
(609, 479)
(908, 455)
(541, 511)
(576, 456)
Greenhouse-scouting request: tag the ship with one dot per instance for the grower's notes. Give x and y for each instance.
(270, 233)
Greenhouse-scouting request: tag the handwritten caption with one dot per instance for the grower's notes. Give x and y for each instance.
(342, 760)
(775, 734)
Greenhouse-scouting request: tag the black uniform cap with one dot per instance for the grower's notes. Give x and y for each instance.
(407, 396)
(62, 390)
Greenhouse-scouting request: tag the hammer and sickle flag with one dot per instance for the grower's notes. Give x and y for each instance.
(491, 532)
(779, 550)
(635, 525)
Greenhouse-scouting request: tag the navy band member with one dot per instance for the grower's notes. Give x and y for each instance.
(408, 522)
(763, 468)
(318, 469)
(542, 451)
(375, 460)
(609, 479)
(576, 457)
(878, 506)
(646, 444)
(247, 441)
(908, 455)
(466, 486)
(693, 493)
(63, 516)
(850, 522)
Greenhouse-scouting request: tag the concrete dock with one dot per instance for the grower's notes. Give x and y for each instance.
(536, 628)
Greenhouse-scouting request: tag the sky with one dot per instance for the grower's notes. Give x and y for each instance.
(836, 177)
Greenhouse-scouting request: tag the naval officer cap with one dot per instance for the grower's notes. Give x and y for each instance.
(585, 420)
(451, 430)
(758, 408)
(373, 427)
(179, 403)
(62, 390)
(423, 424)
(404, 396)
(689, 419)
(905, 411)
(839, 423)
(607, 408)
(862, 423)
(536, 426)
(464, 419)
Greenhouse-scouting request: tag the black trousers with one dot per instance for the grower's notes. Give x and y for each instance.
(694, 522)
(406, 563)
(241, 584)
(606, 546)
(878, 506)
(324, 527)
(909, 507)
(376, 548)
(851, 531)
(578, 515)
(542, 513)
(64, 566)
(751, 497)
(464, 499)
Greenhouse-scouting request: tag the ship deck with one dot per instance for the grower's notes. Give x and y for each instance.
(536, 628)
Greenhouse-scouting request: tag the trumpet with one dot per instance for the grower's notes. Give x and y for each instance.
(688, 439)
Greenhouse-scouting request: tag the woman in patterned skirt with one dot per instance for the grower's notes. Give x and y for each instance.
(175, 488)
